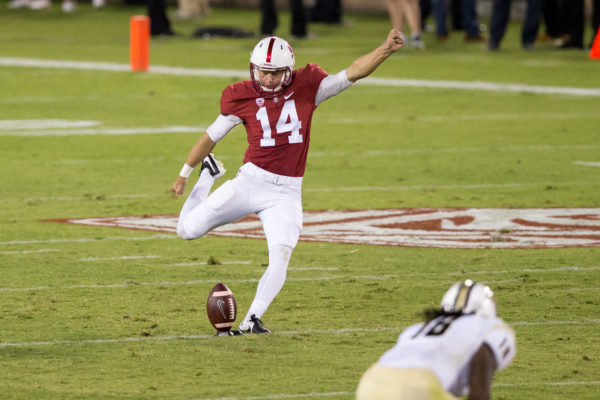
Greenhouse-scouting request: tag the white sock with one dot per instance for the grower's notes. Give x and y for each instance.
(271, 282)
(198, 195)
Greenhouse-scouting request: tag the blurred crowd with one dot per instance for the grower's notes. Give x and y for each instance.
(563, 21)
(67, 5)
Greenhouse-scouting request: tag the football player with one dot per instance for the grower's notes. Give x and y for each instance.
(276, 107)
(453, 353)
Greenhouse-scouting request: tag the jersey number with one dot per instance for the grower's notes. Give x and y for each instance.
(288, 122)
(437, 327)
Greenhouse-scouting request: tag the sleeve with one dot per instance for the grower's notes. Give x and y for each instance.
(501, 339)
(332, 85)
(311, 77)
(221, 127)
(227, 103)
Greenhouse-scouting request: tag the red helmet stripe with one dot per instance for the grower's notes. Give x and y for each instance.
(270, 49)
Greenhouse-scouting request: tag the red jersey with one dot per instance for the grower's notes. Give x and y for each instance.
(277, 128)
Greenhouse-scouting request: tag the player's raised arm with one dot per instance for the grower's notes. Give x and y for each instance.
(365, 65)
(200, 150)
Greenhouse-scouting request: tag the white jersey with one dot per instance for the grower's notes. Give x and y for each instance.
(446, 345)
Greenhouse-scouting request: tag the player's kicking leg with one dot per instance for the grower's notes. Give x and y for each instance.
(211, 170)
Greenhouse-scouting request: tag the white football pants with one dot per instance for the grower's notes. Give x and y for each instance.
(275, 198)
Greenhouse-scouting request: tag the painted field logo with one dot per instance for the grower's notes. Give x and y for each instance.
(420, 227)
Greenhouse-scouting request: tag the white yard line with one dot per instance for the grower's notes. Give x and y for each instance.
(285, 396)
(400, 118)
(188, 283)
(89, 240)
(105, 131)
(533, 384)
(282, 333)
(88, 259)
(193, 264)
(25, 124)
(243, 74)
(305, 279)
(481, 86)
(477, 149)
(82, 198)
(587, 163)
(519, 271)
(440, 187)
(29, 251)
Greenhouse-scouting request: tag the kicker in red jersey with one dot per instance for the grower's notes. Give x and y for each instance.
(278, 128)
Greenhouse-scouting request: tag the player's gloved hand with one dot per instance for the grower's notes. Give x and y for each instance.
(178, 186)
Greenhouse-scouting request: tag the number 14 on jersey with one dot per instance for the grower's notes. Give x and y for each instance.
(288, 122)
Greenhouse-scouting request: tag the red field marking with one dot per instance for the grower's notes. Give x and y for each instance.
(467, 228)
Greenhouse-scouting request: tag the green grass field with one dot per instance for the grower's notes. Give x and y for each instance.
(106, 313)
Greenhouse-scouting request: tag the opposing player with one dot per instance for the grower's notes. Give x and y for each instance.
(453, 353)
(276, 107)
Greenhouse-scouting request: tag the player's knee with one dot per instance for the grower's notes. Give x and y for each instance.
(285, 240)
(189, 230)
(182, 233)
(284, 251)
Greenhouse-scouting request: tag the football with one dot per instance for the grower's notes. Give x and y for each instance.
(221, 308)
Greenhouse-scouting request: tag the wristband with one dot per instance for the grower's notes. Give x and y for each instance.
(186, 170)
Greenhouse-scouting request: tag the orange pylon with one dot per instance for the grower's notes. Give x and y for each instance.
(139, 42)
(595, 50)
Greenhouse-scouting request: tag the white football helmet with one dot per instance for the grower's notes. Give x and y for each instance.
(272, 54)
(470, 298)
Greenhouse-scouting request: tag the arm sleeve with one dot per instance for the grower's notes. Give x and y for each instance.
(332, 85)
(501, 340)
(221, 127)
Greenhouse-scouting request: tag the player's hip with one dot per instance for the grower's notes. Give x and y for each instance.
(251, 170)
(383, 383)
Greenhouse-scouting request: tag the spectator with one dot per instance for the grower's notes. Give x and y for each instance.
(67, 6)
(467, 19)
(425, 11)
(193, 8)
(499, 22)
(595, 21)
(270, 20)
(159, 22)
(407, 9)
(327, 11)
(454, 352)
(552, 16)
(574, 23)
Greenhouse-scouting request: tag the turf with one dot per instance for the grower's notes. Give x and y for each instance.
(77, 323)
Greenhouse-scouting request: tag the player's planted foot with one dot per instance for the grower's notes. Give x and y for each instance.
(214, 166)
(255, 325)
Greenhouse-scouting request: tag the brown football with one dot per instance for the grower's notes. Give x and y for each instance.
(221, 308)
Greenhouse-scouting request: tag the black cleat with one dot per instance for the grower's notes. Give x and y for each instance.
(255, 325)
(214, 166)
